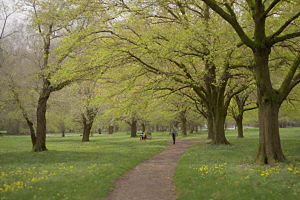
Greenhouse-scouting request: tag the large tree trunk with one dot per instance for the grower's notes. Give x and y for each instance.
(133, 128)
(218, 128)
(239, 123)
(269, 147)
(40, 144)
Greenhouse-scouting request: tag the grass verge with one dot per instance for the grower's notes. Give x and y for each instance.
(70, 169)
(228, 172)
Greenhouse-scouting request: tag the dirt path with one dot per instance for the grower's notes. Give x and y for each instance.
(152, 179)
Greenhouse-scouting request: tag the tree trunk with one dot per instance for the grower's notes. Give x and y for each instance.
(86, 132)
(196, 128)
(62, 129)
(133, 128)
(110, 129)
(218, 128)
(269, 147)
(40, 144)
(32, 133)
(183, 126)
(117, 128)
(192, 128)
(210, 126)
(239, 122)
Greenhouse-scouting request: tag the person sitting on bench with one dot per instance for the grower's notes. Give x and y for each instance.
(144, 136)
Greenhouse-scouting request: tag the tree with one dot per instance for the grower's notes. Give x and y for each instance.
(63, 31)
(238, 107)
(265, 39)
(5, 13)
(62, 109)
(90, 109)
(17, 90)
(198, 63)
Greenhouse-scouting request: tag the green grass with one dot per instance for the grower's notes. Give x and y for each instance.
(75, 170)
(70, 169)
(228, 172)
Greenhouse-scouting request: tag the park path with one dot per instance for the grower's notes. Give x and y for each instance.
(152, 179)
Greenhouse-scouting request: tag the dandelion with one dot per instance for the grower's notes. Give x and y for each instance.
(247, 177)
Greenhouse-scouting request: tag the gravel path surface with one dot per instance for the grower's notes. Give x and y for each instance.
(152, 179)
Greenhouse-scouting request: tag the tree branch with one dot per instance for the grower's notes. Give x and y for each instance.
(290, 81)
(60, 85)
(273, 4)
(248, 109)
(232, 21)
(286, 37)
(272, 39)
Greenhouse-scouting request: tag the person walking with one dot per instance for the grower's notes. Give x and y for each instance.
(174, 133)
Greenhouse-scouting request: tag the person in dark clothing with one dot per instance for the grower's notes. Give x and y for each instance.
(174, 133)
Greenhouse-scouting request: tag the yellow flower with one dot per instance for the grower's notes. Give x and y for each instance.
(247, 177)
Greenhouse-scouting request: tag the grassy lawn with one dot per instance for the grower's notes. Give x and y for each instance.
(228, 172)
(75, 170)
(70, 169)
